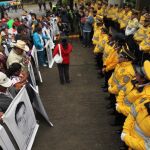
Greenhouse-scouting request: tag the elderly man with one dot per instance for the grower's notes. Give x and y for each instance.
(5, 96)
(18, 55)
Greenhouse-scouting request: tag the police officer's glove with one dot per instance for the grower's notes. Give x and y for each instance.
(122, 136)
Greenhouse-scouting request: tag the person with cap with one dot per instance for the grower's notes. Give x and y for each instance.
(136, 129)
(110, 61)
(99, 48)
(145, 44)
(5, 96)
(97, 29)
(126, 17)
(123, 73)
(63, 68)
(133, 91)
(19, 55)
(141, 33)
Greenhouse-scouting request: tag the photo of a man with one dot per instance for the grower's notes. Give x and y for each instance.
(21, 120)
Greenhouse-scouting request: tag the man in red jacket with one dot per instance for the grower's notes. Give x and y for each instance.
(63, 68)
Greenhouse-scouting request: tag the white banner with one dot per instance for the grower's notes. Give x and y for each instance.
(21, 121)
(5, 143)
(32, 77)
(49, 46)
(49, 54)
(38, 105)
(35, 57)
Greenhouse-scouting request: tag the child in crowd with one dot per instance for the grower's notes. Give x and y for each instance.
(18, 77)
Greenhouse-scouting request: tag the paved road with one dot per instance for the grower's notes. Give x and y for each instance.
(77, 110)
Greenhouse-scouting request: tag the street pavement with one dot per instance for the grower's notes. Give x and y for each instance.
(77, 110)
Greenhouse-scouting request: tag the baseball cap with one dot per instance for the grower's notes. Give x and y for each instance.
(4, 80)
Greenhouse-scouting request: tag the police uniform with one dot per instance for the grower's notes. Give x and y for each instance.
(124, 21)
(123, 73)
(136, 129)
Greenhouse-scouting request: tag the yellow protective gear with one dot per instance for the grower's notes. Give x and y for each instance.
(96, 35)
(120, 15)
(127, 97)
(137, 127)
(122, 74)
(145, 45)
(140, 34)
(103, 39)
(125, 19)
(111, 61)
(107, 50)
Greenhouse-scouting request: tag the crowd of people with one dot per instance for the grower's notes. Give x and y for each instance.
(18, 37)
(121, 39)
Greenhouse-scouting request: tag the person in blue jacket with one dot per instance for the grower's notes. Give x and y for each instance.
(87, 29)
(38, 39)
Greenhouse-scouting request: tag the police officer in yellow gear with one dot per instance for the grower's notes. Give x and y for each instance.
(109, 61)
(136, 129)
(123, 73)
(132, 92)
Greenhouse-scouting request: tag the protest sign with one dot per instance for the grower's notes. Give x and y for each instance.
(5, 142)
(32, 77)
(35, 58)
(21, 121)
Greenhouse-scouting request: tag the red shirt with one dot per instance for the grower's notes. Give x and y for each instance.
(64, 52)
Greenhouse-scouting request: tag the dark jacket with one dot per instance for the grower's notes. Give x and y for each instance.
(4, 102)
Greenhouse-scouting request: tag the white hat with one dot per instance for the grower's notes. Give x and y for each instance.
(3, 33)
(22, 45)
(4, 80)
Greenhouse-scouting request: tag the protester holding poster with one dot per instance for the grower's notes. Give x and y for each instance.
(5, 96)
(21, 121)
(18, 77)
(63, 67)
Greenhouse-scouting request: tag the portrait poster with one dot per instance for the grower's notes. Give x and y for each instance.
(21, 121)
(38, 105)
(5, 142)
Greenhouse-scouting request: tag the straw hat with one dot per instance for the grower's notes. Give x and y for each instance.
(22, 45)
(4, 80)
